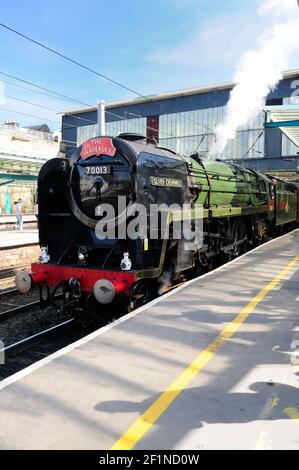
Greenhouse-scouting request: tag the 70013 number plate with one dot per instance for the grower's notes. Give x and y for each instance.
(98, 170)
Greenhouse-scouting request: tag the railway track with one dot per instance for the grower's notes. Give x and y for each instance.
(8, 273)
(26, 341)
(13, 290)
(29, 333)
(24, 351)
(12, 302)
(19, 309)
(7, 296)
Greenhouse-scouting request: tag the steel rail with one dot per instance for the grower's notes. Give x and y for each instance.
(36, 335)
(18, 309)
(9, 291)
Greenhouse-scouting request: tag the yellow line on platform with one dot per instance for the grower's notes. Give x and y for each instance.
(292, 413)
(142, 425)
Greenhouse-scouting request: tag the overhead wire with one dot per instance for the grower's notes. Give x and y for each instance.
(73, 61)
(68, 98)
(91, 70)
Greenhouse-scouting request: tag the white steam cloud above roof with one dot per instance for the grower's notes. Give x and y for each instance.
(260, 69)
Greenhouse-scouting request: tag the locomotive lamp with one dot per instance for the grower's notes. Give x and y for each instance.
(126, 263)
(44, 257)
(82, 254)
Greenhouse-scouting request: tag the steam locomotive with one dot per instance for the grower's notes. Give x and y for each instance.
(238, 209)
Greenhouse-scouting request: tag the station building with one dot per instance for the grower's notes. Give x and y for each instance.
(185, 121)
(22, 153)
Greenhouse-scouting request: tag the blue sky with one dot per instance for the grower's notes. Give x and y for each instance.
(151, 46)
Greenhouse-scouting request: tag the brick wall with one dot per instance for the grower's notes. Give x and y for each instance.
(19, 256)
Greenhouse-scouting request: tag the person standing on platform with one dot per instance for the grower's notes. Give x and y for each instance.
(19, 214)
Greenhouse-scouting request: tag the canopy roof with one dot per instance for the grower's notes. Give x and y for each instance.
(286, 118)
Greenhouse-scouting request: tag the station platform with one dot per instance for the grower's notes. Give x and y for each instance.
(8, 221)
(18, 238)
(210, 365)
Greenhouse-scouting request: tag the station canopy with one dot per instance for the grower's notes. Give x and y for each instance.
(286, 118)
(18, 168)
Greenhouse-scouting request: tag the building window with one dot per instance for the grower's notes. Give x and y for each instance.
(86, 132)
(192, 131)
(288, 148)
(113, 129)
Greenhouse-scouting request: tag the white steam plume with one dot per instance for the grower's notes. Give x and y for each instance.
(260, 70)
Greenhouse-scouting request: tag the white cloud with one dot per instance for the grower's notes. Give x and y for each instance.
(217, 42)
(278, 7)
(220, 40)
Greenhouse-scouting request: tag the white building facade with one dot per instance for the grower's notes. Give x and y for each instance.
(22, 153)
